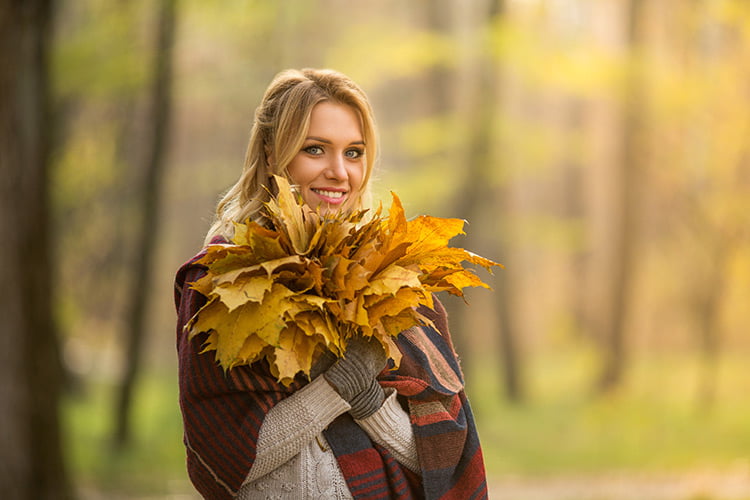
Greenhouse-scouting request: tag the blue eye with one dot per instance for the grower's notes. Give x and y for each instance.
(313, 150)
(354, 153)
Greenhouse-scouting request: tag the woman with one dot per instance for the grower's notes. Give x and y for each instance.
(354, 429)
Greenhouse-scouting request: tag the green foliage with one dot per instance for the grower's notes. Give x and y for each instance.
(87, 167)
(548, 60)
(153, 465)
(552, 233)
(99, 51)
(100, 71)
(431, 149)
(655, 424)
(374, 42)
(87, 178)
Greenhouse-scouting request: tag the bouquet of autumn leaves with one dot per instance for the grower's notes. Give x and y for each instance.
(314, 281)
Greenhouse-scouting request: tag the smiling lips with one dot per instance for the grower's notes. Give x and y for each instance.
(333, 197)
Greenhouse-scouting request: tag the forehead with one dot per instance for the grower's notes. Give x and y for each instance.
(331, 120)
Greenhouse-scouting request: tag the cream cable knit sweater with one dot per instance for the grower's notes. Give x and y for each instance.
(293, 459)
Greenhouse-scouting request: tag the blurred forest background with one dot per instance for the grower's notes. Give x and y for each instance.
(600, 149)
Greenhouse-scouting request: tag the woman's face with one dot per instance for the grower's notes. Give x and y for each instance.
(330, 167)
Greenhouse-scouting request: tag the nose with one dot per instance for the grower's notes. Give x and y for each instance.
(337, 168)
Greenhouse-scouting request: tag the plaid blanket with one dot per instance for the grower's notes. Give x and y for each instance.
(222, 415)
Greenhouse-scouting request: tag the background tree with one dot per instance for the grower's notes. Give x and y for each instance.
(481, 202)
(153, 167)
(30, 369)
(630, 165)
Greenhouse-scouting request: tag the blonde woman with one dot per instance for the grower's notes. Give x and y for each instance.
(355, 429)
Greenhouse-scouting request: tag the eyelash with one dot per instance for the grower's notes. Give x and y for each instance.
(358, 151)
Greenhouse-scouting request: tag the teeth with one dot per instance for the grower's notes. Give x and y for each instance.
(329, 194)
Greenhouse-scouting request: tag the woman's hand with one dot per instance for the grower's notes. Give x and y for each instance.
(353, 376)
(322, 363)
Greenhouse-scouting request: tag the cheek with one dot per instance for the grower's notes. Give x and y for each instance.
(300, 171)
(307, 199)
(356, 179)
(357, 176)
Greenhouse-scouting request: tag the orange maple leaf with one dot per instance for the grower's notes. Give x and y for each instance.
(315, 281)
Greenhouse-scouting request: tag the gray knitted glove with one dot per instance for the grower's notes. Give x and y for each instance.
(353, 376)
(322, 363)
(368, 401)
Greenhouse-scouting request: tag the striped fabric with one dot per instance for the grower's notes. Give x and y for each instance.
(222, 415)
(429, 378)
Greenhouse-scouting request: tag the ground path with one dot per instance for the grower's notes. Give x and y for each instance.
(733, 484)
(725, 484)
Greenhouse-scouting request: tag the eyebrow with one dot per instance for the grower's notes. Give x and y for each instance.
(326, 141)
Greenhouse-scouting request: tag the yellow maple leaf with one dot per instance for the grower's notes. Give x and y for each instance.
(294, 354)
(311, 282)
(242, 290)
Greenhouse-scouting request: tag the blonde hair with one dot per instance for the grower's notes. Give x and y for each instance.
(279, 130)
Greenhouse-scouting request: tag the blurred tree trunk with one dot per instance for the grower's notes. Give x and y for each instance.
(438, 78)
(715, 238)
(625, 213)
(707, 307)
(437, 84)
(31, 459)
(476, 204)
(160, 121)
(573, 209)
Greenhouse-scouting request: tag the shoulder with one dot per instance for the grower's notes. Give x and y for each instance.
(191, 270)
(188, 272)
(439, 317)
